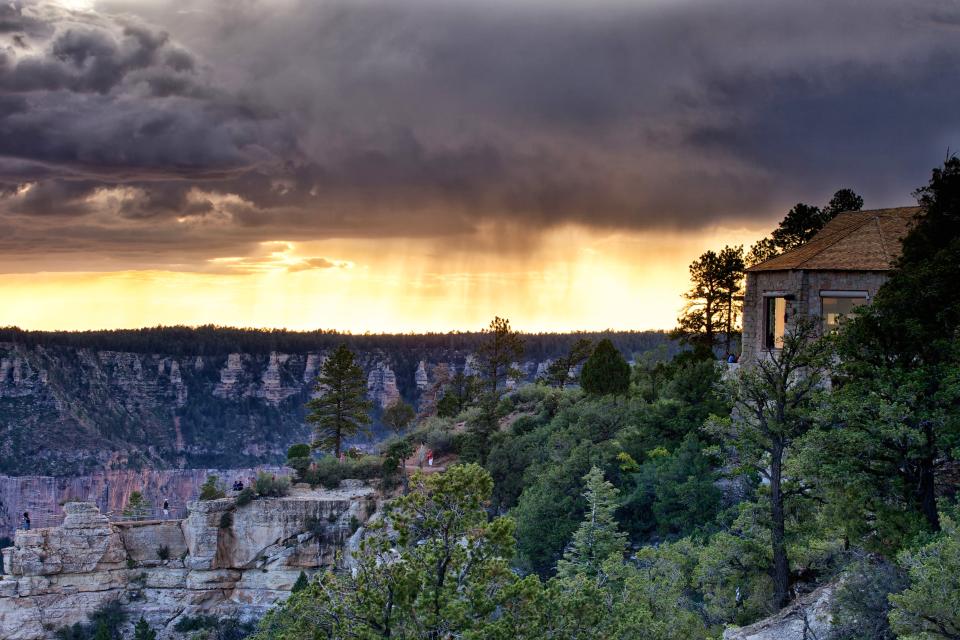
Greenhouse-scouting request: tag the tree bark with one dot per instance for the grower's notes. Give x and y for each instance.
(781, 565)
(927, 488)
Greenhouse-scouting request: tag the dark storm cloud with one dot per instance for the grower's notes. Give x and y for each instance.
(305, 119)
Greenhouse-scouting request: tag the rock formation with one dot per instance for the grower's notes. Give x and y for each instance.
(806, 618)
(209, 563)
(42, 496)
(382, 386)
(70, 410)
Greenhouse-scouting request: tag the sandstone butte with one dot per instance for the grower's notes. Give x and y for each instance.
(165, 570)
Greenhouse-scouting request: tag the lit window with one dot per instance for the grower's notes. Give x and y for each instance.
(837, 305)
(776, 322)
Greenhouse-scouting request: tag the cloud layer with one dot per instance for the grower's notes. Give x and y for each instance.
(168, 133)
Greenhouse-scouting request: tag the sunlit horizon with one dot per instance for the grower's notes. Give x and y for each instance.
(575, 279)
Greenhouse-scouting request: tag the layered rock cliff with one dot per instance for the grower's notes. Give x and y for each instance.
(42, 496)
(72, 404)
(209, 563)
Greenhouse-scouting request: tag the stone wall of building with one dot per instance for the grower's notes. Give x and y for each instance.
(805, 286)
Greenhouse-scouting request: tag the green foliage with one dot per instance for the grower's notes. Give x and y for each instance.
(560, 371)
(341, 410)
(245, 497)
(442, 572)
(398, 416)
(775, 398)
(605, 371)
(329, 471)
(268, 484)
(672, 494)
(142, 631)
(302, 583)
(163, 552)
(137, 506)
(929, 609)
(300, 450)
(102, 624)
(598, 538)
(496, 354)
(206, 627)
(212, 489)
(860, 603)
(459, 394)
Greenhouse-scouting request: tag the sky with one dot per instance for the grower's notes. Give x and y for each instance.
(374, 165)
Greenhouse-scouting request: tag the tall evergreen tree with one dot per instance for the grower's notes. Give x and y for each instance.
(457, 395)
(605, 371)
(598, 537)
(842, 200)
(731, 264)
(702, 317)
(901, 358)
(341, 410)
(501, 347)
(774, 403)
(801, 223)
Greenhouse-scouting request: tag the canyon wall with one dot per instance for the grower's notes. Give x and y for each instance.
(68, 411)
(209, 563)
(42, 496)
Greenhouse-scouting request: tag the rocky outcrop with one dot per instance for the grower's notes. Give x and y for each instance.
(42, 496)
(807, 618)
(382, 386)
(235, 565)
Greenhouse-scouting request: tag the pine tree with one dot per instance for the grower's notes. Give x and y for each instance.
(605, 372)
(142, 631)
(302, 583)
(137, 506)
(502, 347)
(713, 300)
(774, 400)
(598, 537)
(342, 409)
(558, 373)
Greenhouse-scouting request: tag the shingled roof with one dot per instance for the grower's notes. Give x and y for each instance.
(852, 241)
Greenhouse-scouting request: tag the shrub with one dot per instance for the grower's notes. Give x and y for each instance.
(298, 451)
(301, 583)
(163, 552)
(212, 489)
(437, 434)
(270, 485)
(105, 622)
(860, 604)
(226, 520)
(328, 471)
(245, 497)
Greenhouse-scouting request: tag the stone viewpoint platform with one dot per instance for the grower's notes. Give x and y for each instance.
(221, 560)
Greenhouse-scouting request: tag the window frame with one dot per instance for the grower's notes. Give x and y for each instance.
(770, 338)
(839, 294)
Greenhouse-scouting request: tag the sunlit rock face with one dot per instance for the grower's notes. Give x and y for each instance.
(236, 566)
(382, 386)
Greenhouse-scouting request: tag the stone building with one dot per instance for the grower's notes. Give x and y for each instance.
(839, 269)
